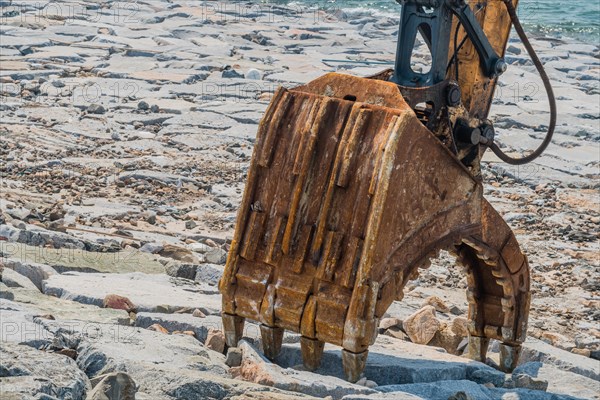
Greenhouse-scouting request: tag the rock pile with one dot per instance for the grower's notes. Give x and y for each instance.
(126, 137)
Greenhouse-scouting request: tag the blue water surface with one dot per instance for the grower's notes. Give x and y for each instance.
(578, 19)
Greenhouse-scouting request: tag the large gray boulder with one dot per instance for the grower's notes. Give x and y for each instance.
(25, 371)
(15, 280)
(37, 273)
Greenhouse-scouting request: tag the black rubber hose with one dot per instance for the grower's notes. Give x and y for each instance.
(551, 99)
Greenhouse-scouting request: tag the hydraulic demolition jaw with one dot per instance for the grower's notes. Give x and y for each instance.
(355, 183)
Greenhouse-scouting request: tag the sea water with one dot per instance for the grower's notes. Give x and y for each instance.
(577, 19)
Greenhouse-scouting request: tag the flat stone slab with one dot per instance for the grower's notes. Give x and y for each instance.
(17, 325)
(444, 390)
(150, 293)
(40, 304)
(63, 260)
(256, 367)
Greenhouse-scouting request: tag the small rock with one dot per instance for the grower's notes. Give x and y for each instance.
(422, 325)
(68, 352)
(461, 396)
(387, 323)
(216, 256)
(152, 248)
(371, 384)
(198, 314)
(231, 73)
(396, 332)
(215, 340)
(142, 105)
(459, 326)
(151, 218)
(513, 50)
(178, 270)
(190, 224)
(178, 253)
(447, 339)
(488, 376)
(154, 108)
(45, 316)
(198, 247)
(254, 74)
(96, 109)
(164, 309)
(114, 386)
(184, 310)
(210, 243)
(454, 310)
(158, 328)
(118, 303)
(529, 382)
(362, 381)
(438, 304)
(234, 357)
(106, 31)
(530, 368)
(582, 352)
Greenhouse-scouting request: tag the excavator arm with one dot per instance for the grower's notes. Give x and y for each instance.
(355, 183)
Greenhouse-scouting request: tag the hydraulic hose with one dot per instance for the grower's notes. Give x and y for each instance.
(551, 99)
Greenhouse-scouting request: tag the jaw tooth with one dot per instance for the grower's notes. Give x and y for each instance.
(272, 338)
(312, 352)
(354, 364)
(509, 357)
(233, 327)
(477, 348)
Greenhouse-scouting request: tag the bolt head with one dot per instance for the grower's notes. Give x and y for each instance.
(501, 66)
(453, 95)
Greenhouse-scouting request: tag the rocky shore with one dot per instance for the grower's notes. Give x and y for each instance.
(126, 131)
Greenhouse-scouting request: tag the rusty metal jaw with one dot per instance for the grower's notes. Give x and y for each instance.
(348, 195)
